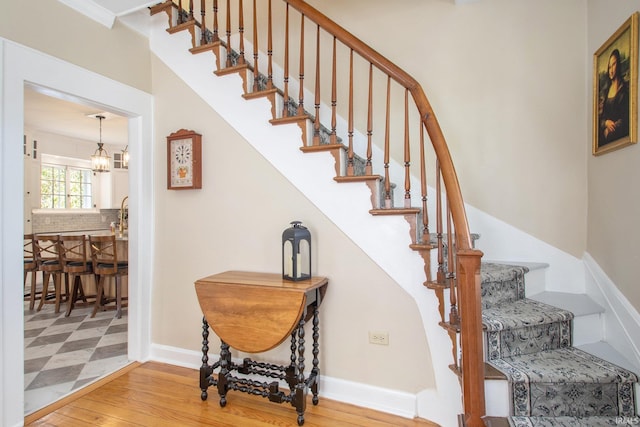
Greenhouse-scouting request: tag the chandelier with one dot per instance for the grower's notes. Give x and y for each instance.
(125, 157)
(100, 161)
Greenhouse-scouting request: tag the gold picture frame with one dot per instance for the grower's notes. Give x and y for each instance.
(615, 89)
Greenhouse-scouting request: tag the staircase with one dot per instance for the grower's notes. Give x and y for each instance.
(527, 342)
(551, 383)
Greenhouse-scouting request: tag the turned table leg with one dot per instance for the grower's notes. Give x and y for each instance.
(315, 372)
(225, 361)
(300, 390)
(205, 369)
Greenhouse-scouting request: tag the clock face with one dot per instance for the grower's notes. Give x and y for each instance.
(181, 163)
(183, 154)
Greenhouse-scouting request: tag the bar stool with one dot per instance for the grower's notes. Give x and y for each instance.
(105, 260)
(49, 262)
(30, 266)
(75, 263)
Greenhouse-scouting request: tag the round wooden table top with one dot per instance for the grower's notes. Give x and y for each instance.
(253, 312)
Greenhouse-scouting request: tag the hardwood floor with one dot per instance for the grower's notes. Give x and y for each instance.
(156, 394)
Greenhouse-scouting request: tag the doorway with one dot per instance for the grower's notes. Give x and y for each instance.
(21, 65)
(64, 353)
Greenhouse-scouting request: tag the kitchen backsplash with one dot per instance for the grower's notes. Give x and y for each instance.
(57, 222)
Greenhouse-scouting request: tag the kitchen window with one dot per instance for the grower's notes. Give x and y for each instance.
(65, 187)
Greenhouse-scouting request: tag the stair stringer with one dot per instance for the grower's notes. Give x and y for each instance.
(313, 176)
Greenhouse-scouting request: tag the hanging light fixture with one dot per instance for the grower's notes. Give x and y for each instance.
(100, 161)
(125, 157)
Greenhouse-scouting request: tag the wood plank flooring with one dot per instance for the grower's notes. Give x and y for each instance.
(156, 394)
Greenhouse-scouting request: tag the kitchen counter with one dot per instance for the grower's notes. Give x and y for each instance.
(101, 232)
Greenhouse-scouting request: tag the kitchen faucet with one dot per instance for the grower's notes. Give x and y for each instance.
(121, 227)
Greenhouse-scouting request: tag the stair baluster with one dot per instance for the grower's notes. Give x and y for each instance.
(216, 37)
(255, 47)
(407, 153)
(424, 232)
(269, 48)
(203, 22)
(228, 33)
(387, 130)
(241, 60)
(301, 70)
(316, 121)
(333, 138)
(285, 96)
(350, 167)
(368, 165)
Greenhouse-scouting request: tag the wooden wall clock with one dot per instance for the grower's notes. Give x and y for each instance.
(184, 160)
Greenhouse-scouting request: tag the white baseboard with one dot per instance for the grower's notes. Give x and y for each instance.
(622, 321)
(376, 398)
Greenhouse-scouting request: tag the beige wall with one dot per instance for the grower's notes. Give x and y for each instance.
(506, 80)
(614, 205)
(236, 222)
(50, 27)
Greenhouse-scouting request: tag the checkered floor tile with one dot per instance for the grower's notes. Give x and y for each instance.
(62, 354)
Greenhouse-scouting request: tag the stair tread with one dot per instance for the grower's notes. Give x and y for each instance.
(522, 313)
(605, 351)
(598, 421)
(531, 266)
(565, 365)
(498, 272)
(578, 304)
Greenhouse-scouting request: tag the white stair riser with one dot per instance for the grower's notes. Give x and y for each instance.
(497, 398)
(535, 281)
(588, 329)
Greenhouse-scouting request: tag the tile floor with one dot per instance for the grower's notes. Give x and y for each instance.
(63, 354)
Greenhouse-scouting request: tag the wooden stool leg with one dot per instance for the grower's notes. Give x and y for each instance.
(71, 299)
(45, 289)
(58, 287)
(118, 297)
(32, 297)
(99, 293)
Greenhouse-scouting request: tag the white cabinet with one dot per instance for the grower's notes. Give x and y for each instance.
(119, 186)
(31, 181)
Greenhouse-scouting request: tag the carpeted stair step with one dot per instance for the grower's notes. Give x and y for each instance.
(572, 421)
(568, 382)
(501, 283)
(525, 326)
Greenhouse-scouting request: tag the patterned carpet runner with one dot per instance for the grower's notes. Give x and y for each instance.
(551, 382)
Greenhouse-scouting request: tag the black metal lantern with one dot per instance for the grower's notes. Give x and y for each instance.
(296, 252)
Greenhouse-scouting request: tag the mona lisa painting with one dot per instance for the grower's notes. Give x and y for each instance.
(615, 89)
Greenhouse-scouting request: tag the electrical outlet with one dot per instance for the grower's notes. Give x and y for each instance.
(379, 337)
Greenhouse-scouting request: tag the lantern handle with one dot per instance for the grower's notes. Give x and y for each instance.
(297, 224)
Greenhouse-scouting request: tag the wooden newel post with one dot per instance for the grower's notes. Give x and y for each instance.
(470, 309)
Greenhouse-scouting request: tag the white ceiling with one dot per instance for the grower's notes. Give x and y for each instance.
(71, 118)
(106, 11)
(124, 7)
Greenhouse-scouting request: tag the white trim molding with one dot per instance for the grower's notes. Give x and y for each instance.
(394, 402)
(621, 319)
(92, 10)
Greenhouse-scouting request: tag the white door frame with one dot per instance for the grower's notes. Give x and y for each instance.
(20, 65)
